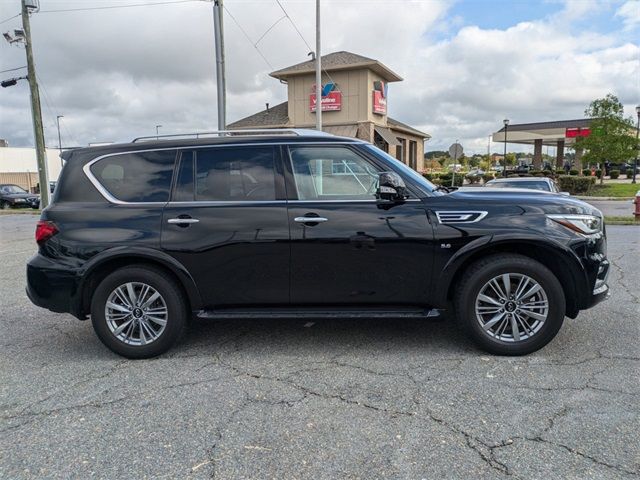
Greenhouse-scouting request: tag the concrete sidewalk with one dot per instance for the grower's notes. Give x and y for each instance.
(612, 208)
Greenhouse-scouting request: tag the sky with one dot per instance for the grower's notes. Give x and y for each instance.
(116, 73)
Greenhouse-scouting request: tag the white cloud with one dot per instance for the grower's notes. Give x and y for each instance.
(115, 74)
(630, 14)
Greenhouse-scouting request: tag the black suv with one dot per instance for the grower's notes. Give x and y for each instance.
(145, 235)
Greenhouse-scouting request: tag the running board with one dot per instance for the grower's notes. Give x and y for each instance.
(293, 313)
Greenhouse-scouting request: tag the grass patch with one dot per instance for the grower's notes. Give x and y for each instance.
(618, 190)
(20, 211)
(630, 220)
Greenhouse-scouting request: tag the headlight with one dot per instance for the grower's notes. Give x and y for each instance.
(19, 200)
(585, 224)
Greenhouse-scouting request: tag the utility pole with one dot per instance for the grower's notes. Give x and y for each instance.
(218, 10)
(60, 139)
(318, 71)
(36, 111)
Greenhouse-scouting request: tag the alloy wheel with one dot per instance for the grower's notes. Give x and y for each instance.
(136, 313)
(511, 307)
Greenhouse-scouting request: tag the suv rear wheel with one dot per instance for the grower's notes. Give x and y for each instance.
(510, 304)
(138, 312)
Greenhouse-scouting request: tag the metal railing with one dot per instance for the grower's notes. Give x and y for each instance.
(233, 133)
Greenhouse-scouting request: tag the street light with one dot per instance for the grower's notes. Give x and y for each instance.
(635, 162)
(60, 139)
(157, 131)
(504, 160)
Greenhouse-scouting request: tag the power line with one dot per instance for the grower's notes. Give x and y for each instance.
(294, 25)
(111, 7)
(254, 45)
(51, 107)
(10, 18)
(270, 28)
(12, 69)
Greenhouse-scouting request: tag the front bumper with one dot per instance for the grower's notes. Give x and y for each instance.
(25, 205)
(52, 286)
(601, 289)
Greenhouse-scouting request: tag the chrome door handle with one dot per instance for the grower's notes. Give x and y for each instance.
(182, 220)
(310, 219)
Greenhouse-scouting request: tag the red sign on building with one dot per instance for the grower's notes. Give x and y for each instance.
(577, 132)
(379, 103)
(330, 103)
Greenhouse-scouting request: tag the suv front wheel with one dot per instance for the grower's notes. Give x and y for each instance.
(138, 312)
(510, 304)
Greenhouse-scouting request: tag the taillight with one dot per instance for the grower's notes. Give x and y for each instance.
(45, 230)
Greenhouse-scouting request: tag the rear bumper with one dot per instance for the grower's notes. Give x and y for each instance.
(53, 287)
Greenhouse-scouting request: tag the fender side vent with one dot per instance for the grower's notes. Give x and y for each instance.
(467, 216)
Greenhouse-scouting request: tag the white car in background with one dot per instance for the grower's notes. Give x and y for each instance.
(543, 184)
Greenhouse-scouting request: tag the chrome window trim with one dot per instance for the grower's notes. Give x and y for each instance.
(225, 203)
(110, 198)
(468, 213)
(409, 200)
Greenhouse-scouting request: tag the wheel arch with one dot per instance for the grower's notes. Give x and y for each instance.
(105, 263)
(562, 262)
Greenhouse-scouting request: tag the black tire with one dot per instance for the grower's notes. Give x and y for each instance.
(172, 295)
(481, 272)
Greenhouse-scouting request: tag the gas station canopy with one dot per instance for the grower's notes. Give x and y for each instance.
(558, 134)
(550, 133)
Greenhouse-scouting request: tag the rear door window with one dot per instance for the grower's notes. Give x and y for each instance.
(226, 174)
(137, 177)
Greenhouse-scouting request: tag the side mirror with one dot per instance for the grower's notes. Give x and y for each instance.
(565, 193)
(391, 187)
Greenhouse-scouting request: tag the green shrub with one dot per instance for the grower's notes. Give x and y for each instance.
(446, 180)
(613, 174)
(472, 178)
(548, 173)
(586, 172)
(575, 185)
(488, 177)
(599, 173)
(428, 176)
(573, 171)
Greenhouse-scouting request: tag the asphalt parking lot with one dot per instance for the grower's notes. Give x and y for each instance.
(332, 400)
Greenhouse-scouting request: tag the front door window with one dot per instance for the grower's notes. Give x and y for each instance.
(323, 173)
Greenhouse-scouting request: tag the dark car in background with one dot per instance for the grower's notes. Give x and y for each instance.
(299, 224)
(13, 196)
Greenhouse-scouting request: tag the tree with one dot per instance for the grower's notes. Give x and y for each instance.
(435, 154)
(612, 136)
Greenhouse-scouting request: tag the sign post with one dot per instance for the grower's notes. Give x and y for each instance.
(455, 151)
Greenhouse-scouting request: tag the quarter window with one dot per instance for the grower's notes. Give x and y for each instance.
(333, 173)
(137, 177)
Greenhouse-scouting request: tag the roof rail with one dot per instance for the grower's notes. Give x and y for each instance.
(233, 133)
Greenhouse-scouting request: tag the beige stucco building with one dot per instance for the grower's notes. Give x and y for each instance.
(354, 104)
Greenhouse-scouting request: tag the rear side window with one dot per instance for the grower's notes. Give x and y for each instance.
(137, 177)
(226, 174)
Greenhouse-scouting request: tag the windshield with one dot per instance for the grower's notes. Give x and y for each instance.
(533, 185)
(422, 182)
(9, 189)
